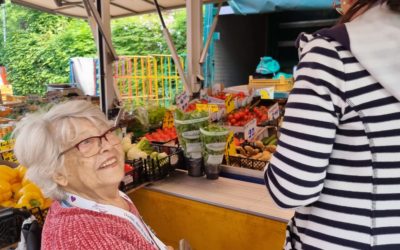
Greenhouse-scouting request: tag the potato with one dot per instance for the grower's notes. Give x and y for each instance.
(271, 148)
(266, 156)
(240, 150)
(250, 151)
(259, 144)
(257, 156)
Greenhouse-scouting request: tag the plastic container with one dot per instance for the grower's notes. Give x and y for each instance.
(195, 167)
(213, 139)
(189, 136)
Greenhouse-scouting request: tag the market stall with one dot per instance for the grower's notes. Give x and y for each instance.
(202, 162)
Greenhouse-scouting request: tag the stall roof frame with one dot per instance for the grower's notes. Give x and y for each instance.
(118, 8)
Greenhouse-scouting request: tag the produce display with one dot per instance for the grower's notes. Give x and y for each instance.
(242, 116)
(141, 150)
(213, 139)
(188, 127)
(17, 191)
(162, 135)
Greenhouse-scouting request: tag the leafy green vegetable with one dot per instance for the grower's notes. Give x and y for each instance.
(188, 127)
(156, 115)
(213, 142)
(145, 146)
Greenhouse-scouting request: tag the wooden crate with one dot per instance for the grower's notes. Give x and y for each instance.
(281, 85)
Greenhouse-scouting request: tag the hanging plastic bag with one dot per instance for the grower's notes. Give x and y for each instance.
(267, 66)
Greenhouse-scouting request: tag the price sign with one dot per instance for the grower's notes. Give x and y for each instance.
(168, 121)
(182, 100)
(267, 93)
(7, 145)
(230, 104)
(9, 156)
(202, 107)
(216, 88)
(230, 148)
(250, 129)
(273, 112)
(213, 108)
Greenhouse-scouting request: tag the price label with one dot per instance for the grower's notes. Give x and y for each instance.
(273, 112)
(230, 148)
(168, 121)
(9, 156)
(202, 107)
(182, 100)
(250, 130)
(230, 104)
(7, 145)
(213, 108)
(267, 93)
(216, 88)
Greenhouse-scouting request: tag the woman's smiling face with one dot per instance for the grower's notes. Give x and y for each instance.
(103, 170)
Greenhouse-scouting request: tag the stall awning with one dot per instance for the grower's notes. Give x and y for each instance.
(266, 6)
(119, 8)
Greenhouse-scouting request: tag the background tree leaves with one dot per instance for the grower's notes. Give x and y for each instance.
(39, 45)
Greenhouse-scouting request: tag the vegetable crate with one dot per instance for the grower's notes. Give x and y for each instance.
(157, 169)
(134, 177)
(249, 163)
(11, 220)
(282, 84)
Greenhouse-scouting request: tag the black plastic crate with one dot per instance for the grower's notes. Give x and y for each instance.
(10, 225)
(249, 163)
(147, 170)
(157, 169)
(133, 178)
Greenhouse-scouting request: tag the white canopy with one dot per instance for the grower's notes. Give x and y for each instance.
(118, 8)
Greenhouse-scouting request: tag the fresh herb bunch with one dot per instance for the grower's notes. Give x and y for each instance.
(188, 127)
(213, 138)
(156, 115)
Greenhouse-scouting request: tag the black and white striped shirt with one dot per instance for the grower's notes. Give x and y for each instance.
(338, 156)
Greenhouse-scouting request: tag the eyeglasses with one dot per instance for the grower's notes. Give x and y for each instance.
(337, 6)
(92, 145)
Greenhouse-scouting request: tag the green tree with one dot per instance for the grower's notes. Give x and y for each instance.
(39, 45)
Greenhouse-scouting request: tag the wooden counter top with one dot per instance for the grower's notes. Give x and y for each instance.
(227, 193)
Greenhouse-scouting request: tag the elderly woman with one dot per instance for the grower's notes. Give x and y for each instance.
(74, 155)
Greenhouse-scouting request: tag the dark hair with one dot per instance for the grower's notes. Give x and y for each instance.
(394, 5)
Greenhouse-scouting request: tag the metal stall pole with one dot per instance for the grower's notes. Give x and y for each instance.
(194, 42)
(99, 20)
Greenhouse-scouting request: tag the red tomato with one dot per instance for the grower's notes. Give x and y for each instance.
(128, 168)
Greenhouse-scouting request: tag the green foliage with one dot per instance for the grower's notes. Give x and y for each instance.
(142, 35)
(39, 45)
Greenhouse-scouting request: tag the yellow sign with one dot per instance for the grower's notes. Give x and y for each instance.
(230, 104)
(213, 108)
(230, 148)
(9, 156)
(202, 107)
(7, 145)
(168, 121)
(264, 94)
(267, 93)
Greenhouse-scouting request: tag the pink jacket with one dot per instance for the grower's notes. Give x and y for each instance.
(76, 228)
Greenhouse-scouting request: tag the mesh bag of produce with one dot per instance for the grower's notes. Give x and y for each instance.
(213, 139)
(188, 127)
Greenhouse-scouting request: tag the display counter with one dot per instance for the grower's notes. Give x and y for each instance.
(212, 214)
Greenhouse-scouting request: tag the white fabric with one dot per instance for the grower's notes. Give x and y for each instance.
(85, 74)
(375, 42)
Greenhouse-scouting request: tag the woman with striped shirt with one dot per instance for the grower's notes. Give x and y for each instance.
(338, 156)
